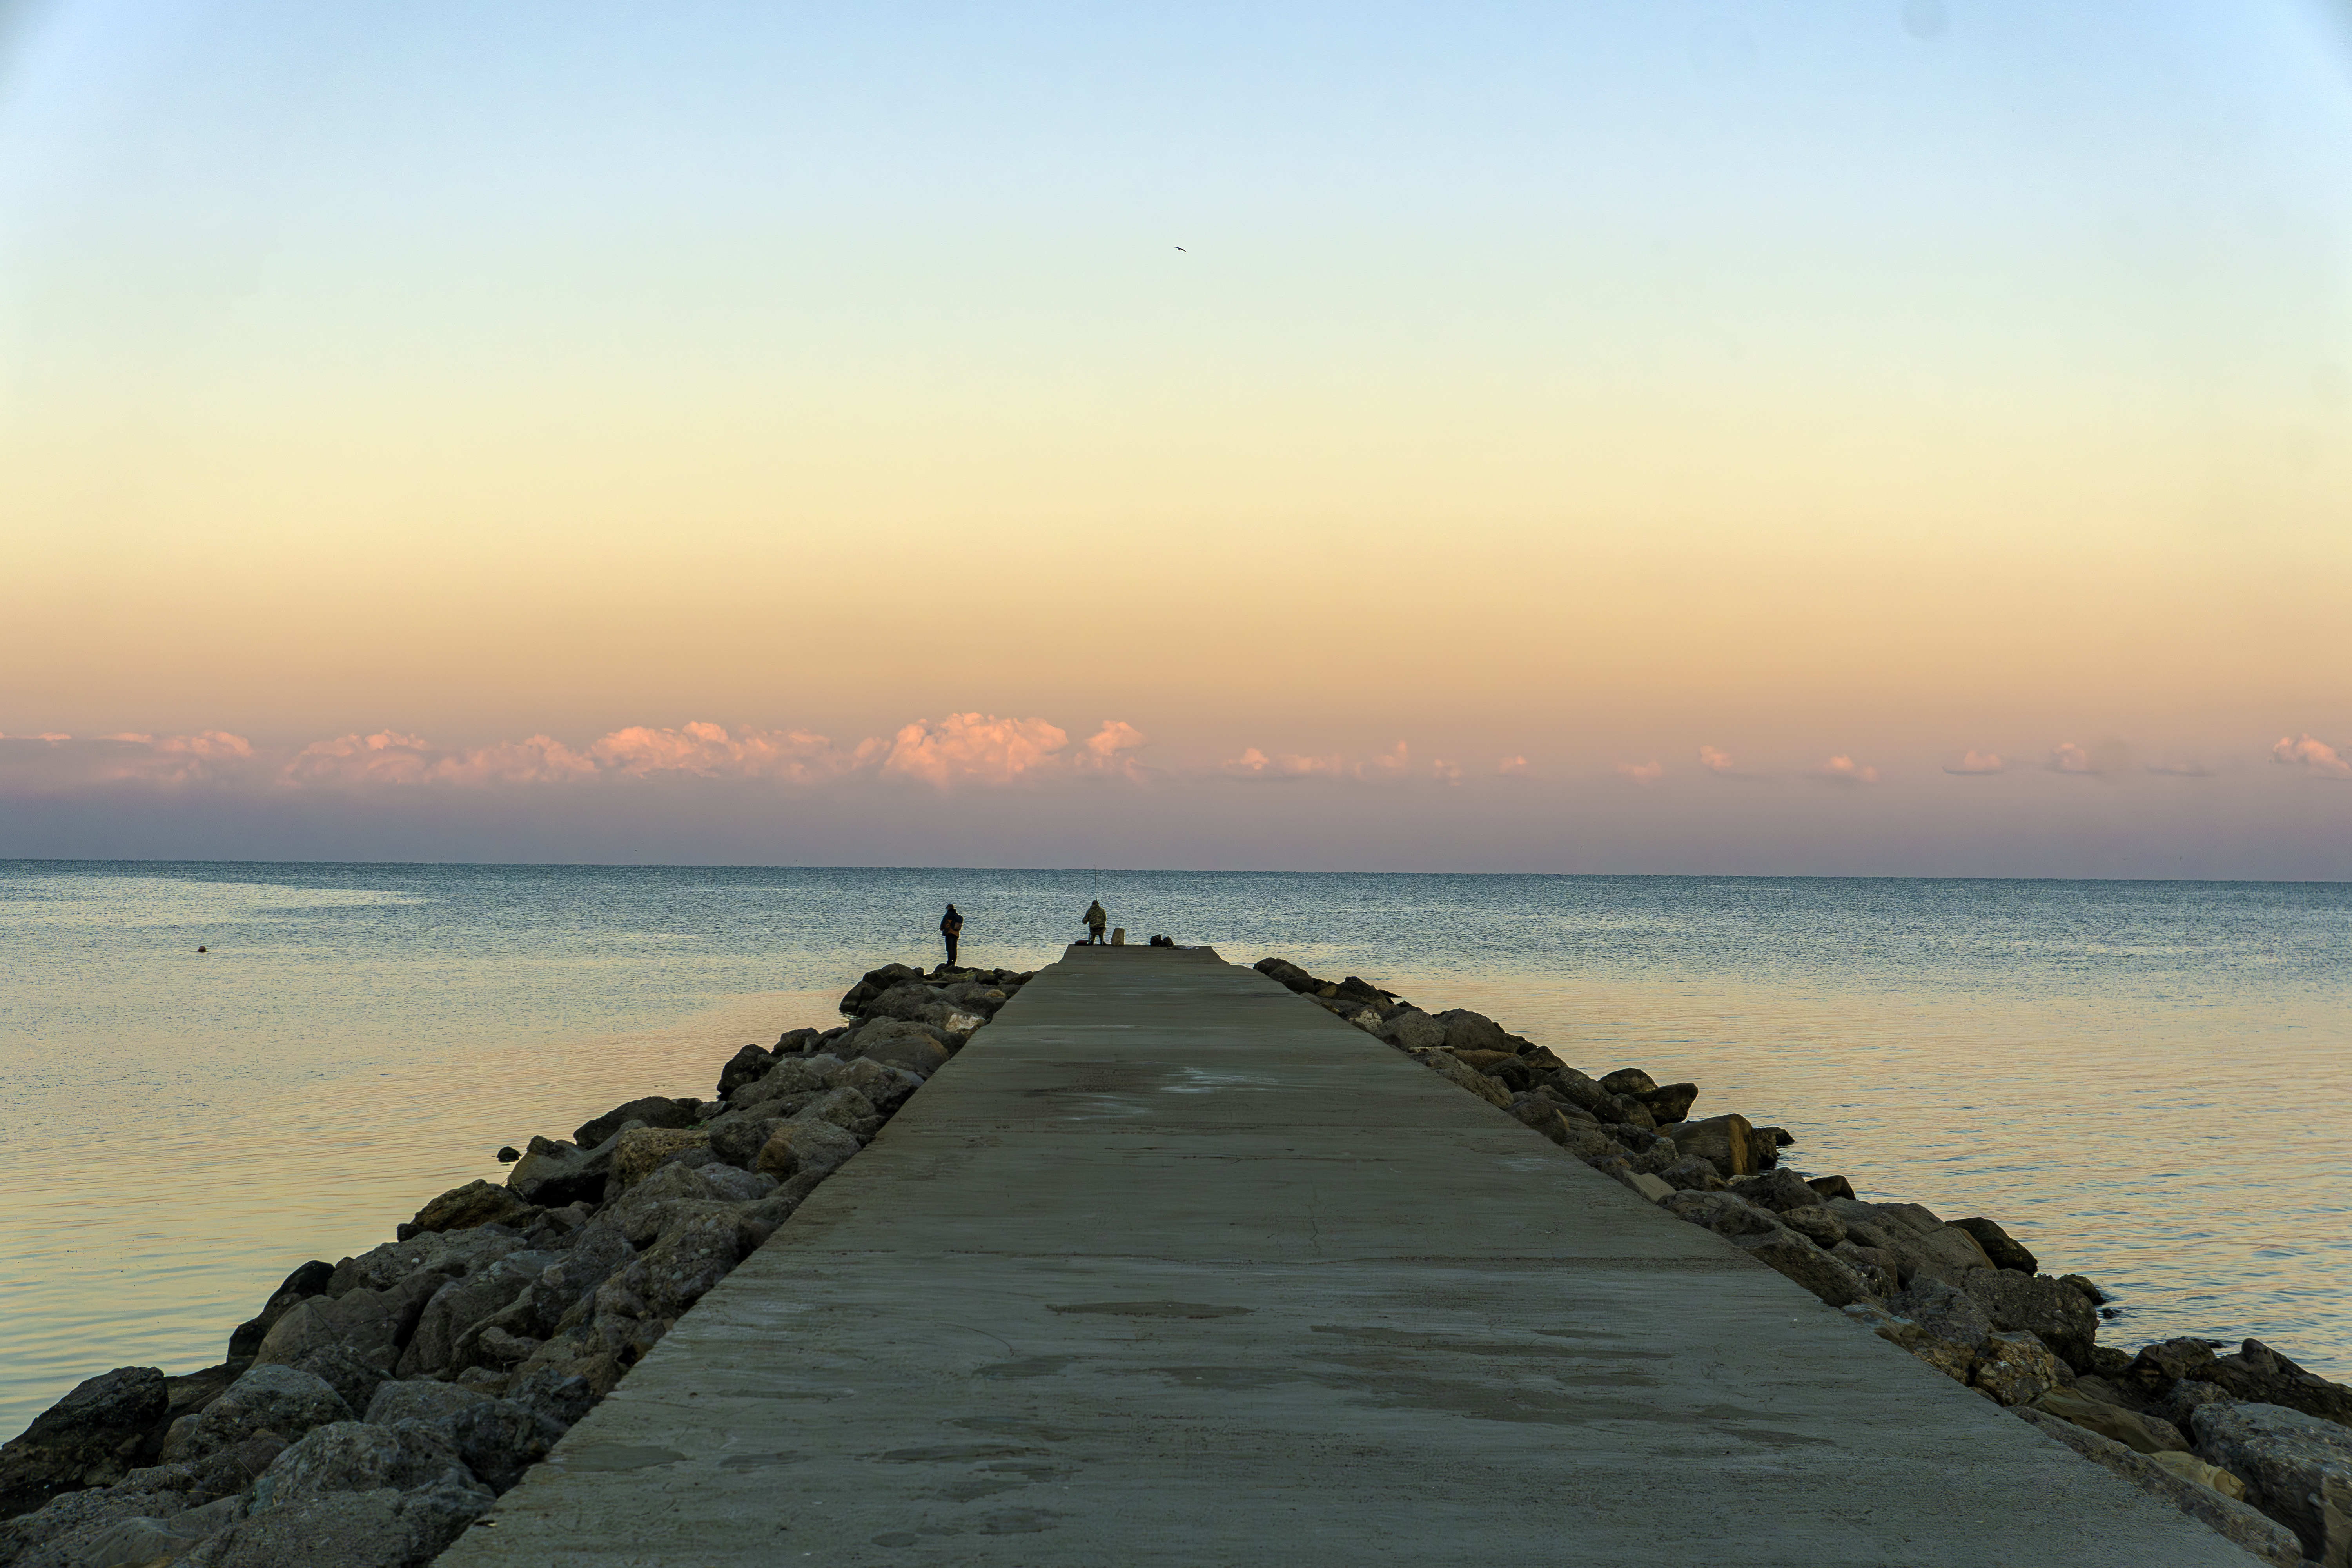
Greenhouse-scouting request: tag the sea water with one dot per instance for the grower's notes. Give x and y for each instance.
(2147, 1082)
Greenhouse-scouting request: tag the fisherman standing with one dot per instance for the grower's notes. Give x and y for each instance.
(951, 928)
(1096, 920)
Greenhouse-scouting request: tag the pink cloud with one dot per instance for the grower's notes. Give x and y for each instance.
(1844, 769)
(389, 757)
(1978, 761)
(1254, 764)
(1106, 750)
(1714, 761)
(1647, 773)
(2066, 757)
(2315, 757)
(975, 748)
(707, 750)
(1512, 765)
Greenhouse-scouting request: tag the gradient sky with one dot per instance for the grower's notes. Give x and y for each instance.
(1891, 437)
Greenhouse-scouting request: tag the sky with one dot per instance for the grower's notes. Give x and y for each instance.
(1890, 438)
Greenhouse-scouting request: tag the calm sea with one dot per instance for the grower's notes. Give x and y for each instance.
(2147, 1082)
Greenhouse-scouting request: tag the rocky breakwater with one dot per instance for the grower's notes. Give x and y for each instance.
(373, 1408)
(2247, 1443)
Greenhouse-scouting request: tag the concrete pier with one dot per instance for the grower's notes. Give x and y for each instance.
(1172, 1266)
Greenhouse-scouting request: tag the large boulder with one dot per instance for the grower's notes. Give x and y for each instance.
(68, 1528)
(846, 1109)
(2016, 1368)
(2038, 1305)
(2260, 1375)
(675, 1272)
(791, 1078)
(1800, 1260)
(653, 1111)
(358, 1457)
(746, 1066)
(804, 1145)
(642, 1149)
(553, 1174)
(79, 1441)
(2266, 1540)
(1671, 1103)
(2133, 1429)
(1468, 1031)
(353, 1376)
(2297, 1468)
(382, 1529)
(463, 1208)
(376, 1325)
(2002, 1250)
(462, 1302)
(310, 1279)
(1775, 1190)
(456, 1252)
(1282, 972)
(1724, 1141)
(912, 1052)
(1952, 1330)
(736, 1139)
(885, 1087)
(1726, 1214)
(421, 1399)
(278, 1399)
(1446, 1065)
(1412, 1030)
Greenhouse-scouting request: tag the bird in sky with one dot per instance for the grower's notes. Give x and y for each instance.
(1186, 252)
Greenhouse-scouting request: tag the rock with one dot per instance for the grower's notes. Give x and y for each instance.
(557, 1396)
(463, 1303)
(1536, 1112)
(2144, 1434)
(2015, 1368)
(731, 1186)
(499, 1439)
(1952, 1328)
(2039, 1305)
(141, 1541)
(1780, 1191)
(1802, 1261)
(1723, 1141)
(883, 1086)
(421, 1399)
(2098, 1296)
(374, 1325)
(1586, 1094)
(800, 1146)
(2190, 1468)
(353, 1377)
(791, 1078)
(641, 1149)
(1924, 1243)
(2260, 1375)
(1777, 1137)
(653, 1111)
(1468, 1031)
(66, 1529)
(1830, 1187)
(278, 1399)
(673, 1274)
(1412, 1030)
(238, 1467)
(916, 1055)
(746, 1066)
(382, 1529)
(2181, 1402)
(310, 1279)
(358, 1457)
(1628, 1080)
(1671, 1104)
(552, 1174)
(2158, 1367)
(2264, 1539)
(1282, 972)
(1647, 1185)
(1589, 1143)
(79, 1441)
(1815, 1224)
(1726, 1214)
(508, 1154)
(2000, 1249)
(1690, 1173)
(1880, 1274)
(2297, 1467)
(1450, 1067)
(463, 1208)
(1633, 1112)
(737, 1138)
(458, 1252)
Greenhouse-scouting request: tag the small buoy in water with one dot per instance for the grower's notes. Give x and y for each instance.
(200, 949)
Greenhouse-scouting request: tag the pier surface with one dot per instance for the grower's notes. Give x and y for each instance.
(1171, 1265)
